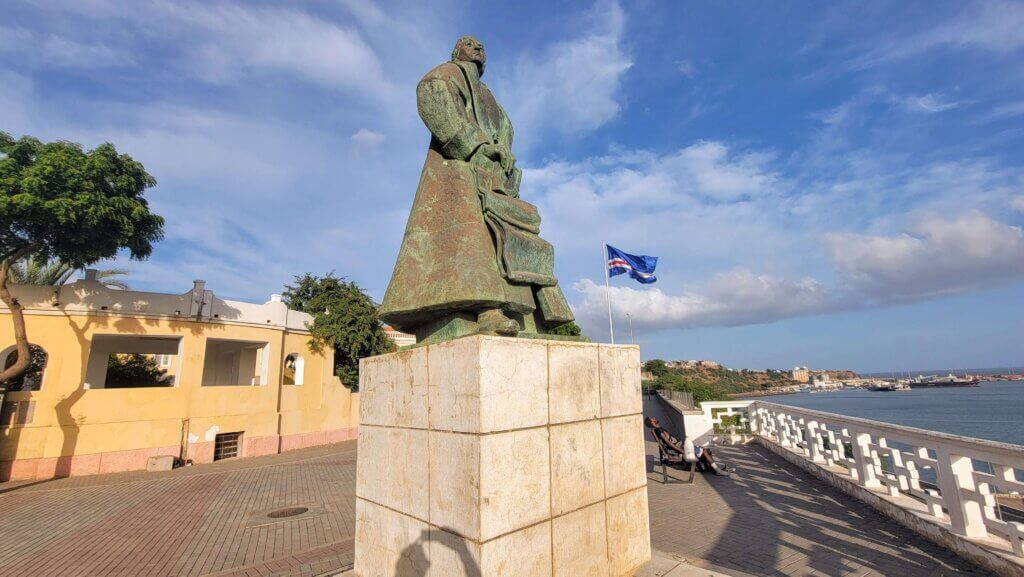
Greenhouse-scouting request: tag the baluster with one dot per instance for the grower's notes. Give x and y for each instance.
(813, 450)
(783, 432)
(956, 482)
(1015, 530)
(862, 460)
(832, 455)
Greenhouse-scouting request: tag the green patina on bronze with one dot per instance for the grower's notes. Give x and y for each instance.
(472, 259)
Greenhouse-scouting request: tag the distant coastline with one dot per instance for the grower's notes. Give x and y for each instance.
(767, 393)
(1015, 370)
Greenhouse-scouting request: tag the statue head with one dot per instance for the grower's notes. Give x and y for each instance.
(469, 49)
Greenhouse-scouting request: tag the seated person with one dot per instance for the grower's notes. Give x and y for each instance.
(705, 459)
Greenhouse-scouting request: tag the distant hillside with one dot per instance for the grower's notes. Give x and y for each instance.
(713, 384)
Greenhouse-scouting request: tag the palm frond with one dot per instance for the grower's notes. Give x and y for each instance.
(106, 276)
(36, 271)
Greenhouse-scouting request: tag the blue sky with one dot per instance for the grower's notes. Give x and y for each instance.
(828, 184)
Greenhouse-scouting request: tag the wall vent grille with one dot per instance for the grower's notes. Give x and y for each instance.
(227, 445)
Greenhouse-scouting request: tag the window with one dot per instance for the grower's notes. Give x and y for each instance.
(32, 378)
(132, 362)
(234, 363)
(294, 367)
(226, 446)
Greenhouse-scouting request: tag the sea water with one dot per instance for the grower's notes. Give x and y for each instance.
(993, 410)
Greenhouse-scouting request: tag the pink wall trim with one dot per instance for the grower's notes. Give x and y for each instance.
(200, 452)
(135, 459)
(256, 446)
(303, 440)
(111, 462)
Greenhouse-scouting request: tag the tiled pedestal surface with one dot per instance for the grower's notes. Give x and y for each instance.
(500, 457)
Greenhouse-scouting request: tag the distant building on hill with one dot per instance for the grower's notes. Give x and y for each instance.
(120, 376)
(693, 364)
(800, 374)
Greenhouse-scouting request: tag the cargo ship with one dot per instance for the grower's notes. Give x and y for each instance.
(949, 380)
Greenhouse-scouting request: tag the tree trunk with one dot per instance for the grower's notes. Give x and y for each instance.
(20, 337)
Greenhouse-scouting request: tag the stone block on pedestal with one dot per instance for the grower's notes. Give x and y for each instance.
(498, 457)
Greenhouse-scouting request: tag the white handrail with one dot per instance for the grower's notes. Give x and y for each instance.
(935, 468)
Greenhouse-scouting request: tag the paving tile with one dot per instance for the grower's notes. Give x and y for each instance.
(771, 518)
(767, 519)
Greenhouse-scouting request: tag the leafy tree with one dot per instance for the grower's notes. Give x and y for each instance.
(701, 391)
(344, 317)
(135, 370)
(569, 329)
(59, 201)
(656, 367)
(37, 271)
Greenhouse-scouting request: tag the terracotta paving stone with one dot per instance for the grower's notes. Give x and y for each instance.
(768, 519)
(192, 521)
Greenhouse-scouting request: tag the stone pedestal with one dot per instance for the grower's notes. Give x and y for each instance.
(501, 457)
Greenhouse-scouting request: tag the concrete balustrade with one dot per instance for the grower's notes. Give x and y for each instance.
(943, 486)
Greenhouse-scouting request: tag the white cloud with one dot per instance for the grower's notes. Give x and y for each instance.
(236, 40)
(1018, 203)
(222, 42)
(704, 170)
(367, 139)
(736, 297)
(740, 232)
(15, 99)
(688, 68)
(929, 103)
(718, 175)
(55, 51)
(1007, 110)
(572, 86)
(941, 257)
(991, 25)
(938, 257)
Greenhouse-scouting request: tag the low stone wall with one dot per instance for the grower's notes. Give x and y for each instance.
(110, 462)
(135, 459)
(902, 513)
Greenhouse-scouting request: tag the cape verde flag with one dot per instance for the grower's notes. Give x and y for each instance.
(639, 267)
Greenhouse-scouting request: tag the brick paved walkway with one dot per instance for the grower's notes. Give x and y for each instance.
(770, 518)
(203, 520)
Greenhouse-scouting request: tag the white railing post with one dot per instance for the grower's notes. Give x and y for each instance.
(783, 432)
(834, 453)
(813, 442)
(754, 414)
(967, 499)
(864, 461)
(956, 483)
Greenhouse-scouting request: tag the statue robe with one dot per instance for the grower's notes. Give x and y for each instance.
(470, 242)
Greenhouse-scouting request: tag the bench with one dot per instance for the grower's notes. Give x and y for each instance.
(667, 456)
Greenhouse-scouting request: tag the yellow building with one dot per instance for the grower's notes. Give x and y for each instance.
(800, 374)
(221, 379)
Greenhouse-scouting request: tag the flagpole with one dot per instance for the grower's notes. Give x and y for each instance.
(608, 291)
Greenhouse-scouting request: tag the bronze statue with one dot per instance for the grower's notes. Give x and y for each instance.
(472, 259)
